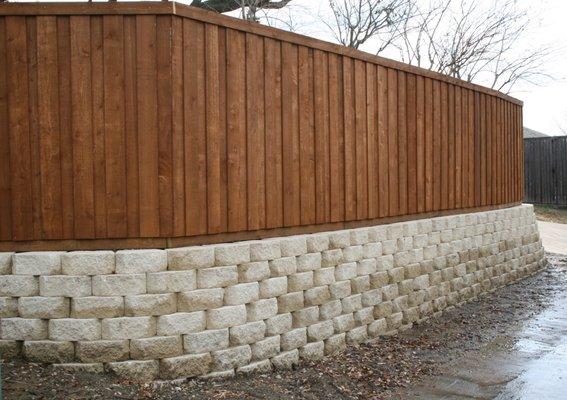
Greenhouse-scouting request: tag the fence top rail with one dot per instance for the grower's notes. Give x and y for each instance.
(547, 138)
(183, 10)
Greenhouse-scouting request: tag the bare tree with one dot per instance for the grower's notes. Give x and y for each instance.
(249, 8)
(357, 21)
(460, 39)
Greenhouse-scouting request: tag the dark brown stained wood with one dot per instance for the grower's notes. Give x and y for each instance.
(148, 125)
(31, 33)
(236, 133)
(290, 136)
(165, 121)
(383, 156)
(393, 171)
(131, 127)
(81, 117)
(402, 145)
(465, 149)
(5, 183)
(65, 129)
(194, 127)
(437, 136)
(411, 144)
(256, 163)
(451, 148)
(223, 128)
(49, 138)
(213, 131)
(361, 142)
(488, 133)
(336, 139)
(458, 149)
(177, 138)
(420, 144)
(444, 149)
(114, 143)
(156, 127)
(483, 149)
(99, 162)
(372, 141)
(472, 145)
(274, 150)
(429, 140)
(477, 150)
(18, 128)
(350, 139)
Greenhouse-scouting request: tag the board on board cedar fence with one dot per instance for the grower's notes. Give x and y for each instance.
(545, 168)
(142, 121)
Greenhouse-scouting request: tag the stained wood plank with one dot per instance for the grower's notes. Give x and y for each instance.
(274, 149)
(5, 177)
(412, 150)
(336, 138)
(114, 143)
(164, 89)
(361, 140)
(472, 146)
(383, 156)
(49, 138)
(34, 132)
(195, 127)
(420, 144)
(350, 139)
(437, 134)
(131, 126)
(372, 140)
(256, 164)
(213, 131)
(148, 125)
(429, 141)
(393, 171)
(65, 128)
(81, 117)
(178, 144)
(477, 151)
(458, 148)
(236, 133)
(451, 147)
(444, 149)
(402, 145)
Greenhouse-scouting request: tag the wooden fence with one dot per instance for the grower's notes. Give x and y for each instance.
(156, 124)
(546, 170)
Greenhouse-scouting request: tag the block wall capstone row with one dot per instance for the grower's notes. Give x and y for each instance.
(221, 310)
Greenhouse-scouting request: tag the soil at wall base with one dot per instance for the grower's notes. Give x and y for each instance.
(374, 370)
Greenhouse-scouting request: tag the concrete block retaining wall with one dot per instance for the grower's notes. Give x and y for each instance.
(252, 306)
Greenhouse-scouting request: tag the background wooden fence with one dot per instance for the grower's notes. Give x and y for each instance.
(156, 120)
(545, 168)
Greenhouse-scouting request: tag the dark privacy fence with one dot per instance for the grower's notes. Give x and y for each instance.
(545, 166)
(157, 124)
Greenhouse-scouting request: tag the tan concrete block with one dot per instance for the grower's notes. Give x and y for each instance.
(278, 324)
(261, 309)
(19, 285)
(43, 307)
(181, 323)
(97, 307)
(6, 263)
(253, 271)
(242, 293)
(155, 347)
(225, 317)
(46, 351)
(65, 286)
(128, 328)
(283, 266)
(188, 365)
(140, 261)
(8, 307)
(217, 277)
(71, 329)
(273, 287)
(232, 253)
(102, 351)
(23, 329)
(188, 258)
(87, 263)
(267, 348)
(118, 285)
(247, 333)
(171, 281)
(265, 250)
(290, 302)
(150, 304)
(206, 341)
(131, 370)
(199, 300)
(37, 263)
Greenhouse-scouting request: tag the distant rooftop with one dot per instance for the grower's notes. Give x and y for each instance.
(530, 133)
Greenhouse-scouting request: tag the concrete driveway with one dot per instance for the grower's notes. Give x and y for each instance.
(553, 236)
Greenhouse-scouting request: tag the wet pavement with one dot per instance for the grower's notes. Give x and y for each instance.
(526, 361)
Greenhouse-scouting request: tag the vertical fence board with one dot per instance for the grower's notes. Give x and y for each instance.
(372, 141)
(350, 139)
(393, 171)
(383, 150)
(6, 232)
(336, 139)
(361, 140)
(321, 98)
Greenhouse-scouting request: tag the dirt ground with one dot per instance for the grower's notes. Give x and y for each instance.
(375, 370)
(551, 214)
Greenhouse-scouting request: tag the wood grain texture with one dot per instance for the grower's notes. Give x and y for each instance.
(137, 125)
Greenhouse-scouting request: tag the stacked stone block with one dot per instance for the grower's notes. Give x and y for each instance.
(246, 307)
